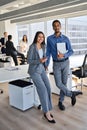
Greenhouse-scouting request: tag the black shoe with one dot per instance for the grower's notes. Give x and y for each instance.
(22, 63)
(51, 115)
(50, 121)
(77, 93)
(39, 107)
(1, 91)
(61, 106)
(73, 98)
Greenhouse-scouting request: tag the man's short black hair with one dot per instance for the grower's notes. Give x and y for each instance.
(55, 22)
(9, 37)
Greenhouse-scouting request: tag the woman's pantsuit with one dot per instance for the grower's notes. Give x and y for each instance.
(39, 77)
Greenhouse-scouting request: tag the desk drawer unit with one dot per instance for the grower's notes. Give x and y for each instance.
(21, 94)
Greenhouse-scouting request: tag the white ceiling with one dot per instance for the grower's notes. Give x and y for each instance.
(27, 10)
(17, 4)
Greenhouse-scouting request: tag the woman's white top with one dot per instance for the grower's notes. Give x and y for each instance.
(23, 47)
(40, 51)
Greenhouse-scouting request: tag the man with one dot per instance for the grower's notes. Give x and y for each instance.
(3, 42)
(60, 62)
(11, 51)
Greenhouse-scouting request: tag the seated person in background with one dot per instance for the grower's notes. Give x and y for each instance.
(3, 42)
(24, 45)
(11, 51)
(0, 47)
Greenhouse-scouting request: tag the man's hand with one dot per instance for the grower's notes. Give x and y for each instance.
(43, 60)
(60, 55)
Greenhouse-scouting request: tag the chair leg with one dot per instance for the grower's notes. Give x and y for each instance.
(81, 83)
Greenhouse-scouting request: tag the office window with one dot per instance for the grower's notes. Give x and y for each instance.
(34, 27)
(23, 30)
(77, 32)
(75, 28)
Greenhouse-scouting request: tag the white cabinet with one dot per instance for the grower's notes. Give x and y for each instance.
(69, 81)
(36, 97)
(21, 94)
(54, 88)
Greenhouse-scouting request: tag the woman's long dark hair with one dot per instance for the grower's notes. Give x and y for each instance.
(23, 38)
(36, 37)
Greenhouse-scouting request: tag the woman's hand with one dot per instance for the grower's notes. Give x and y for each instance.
(43, 60)
(46, 68)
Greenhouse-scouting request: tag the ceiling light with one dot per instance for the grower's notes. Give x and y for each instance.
(16, 5)
(3, 11)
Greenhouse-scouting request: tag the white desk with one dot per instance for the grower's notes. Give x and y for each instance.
(19, 72)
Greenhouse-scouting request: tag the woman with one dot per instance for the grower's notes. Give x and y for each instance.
(24, 45)
(36, 60)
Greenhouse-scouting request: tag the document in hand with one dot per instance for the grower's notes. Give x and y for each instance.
(61, 47)
(12, 68)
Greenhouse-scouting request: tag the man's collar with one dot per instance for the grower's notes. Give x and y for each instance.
(59, 35)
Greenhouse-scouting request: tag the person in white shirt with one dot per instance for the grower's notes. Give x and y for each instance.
(24, 45)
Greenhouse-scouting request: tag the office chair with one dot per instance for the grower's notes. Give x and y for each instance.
(81, 72)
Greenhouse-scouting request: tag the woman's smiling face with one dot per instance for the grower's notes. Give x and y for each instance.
(40, 38)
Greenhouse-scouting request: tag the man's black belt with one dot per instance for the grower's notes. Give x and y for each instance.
(61, 60)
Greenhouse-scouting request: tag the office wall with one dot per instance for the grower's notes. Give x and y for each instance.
(2, 28)
(11, 29)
